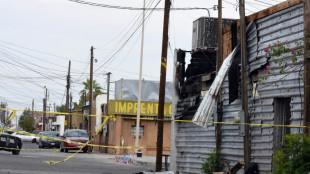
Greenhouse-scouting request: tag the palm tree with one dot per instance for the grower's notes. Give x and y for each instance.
(96, 88)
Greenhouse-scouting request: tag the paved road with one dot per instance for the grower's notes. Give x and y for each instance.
(32, 162)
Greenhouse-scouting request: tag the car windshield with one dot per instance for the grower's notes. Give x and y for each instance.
(77, 133)
(51, 134)
(36, 132)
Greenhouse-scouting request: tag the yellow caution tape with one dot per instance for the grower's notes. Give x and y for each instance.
(113, 118)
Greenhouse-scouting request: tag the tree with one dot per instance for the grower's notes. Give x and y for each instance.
(96, 91)
(96, 88)
(26, 121)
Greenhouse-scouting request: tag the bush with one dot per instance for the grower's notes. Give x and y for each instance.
(213, 163)
(294, 157)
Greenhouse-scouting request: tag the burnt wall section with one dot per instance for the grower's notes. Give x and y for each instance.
(193, 143)
(202, 61)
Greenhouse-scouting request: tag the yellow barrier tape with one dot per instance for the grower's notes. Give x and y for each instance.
(69, 157)
(9, 119)
(167, 119)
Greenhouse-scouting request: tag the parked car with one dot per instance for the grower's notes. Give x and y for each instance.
(77, 135)
(45, 142)
(23, 137)
(10, 141)
(35, 139)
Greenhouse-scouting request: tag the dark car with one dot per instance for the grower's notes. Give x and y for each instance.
(77, 135)
(9, 141)
(45, 142)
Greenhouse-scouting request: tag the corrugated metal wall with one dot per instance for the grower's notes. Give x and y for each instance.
(281, 26)
(193, 143)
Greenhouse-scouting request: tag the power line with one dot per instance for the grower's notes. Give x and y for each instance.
(132, 8)
(41, 52)
(122, 46)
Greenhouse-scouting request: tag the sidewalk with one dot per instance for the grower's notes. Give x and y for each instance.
(148, 161)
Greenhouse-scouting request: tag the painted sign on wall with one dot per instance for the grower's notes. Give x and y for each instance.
(127, 107)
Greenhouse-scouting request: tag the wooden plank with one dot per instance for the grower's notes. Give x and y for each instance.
(227, 44)
(272, 10)
(268, 11)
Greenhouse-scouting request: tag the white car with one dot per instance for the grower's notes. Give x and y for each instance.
(23, 137)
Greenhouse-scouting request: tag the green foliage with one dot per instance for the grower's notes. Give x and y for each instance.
(26, 121)
(294, 157)
(96, 91)
(213, 163)
(96, 88)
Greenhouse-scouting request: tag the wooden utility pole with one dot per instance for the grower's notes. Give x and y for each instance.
(162, 86)
(44, 111)
(219, 64)
(106, 112)
(90, 95)
(246, 140)
(70, 111)
(67, 117)
(32, 115)
(307, 66)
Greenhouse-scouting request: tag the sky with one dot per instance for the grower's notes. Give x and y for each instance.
(39, 37)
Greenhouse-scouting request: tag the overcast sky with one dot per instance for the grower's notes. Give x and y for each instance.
(39, 37)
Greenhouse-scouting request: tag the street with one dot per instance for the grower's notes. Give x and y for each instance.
(33, 162)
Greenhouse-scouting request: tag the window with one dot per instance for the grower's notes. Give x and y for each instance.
(133, 131)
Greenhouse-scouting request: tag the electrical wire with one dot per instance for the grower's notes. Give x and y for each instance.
(122, 46)
(132, 8)
(50, 54)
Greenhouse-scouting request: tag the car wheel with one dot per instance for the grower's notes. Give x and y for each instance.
(33, 140)
(66, 150)
(16, 152)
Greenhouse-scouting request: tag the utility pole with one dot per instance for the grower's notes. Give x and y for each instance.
(140, 83)
(67, 117)
(44, 111)
(219, 64)
(32, 115)
(70, 111)
(106, 112)
(162, 86)
(54, 111)
(90, 94)
(306, 120)
(246, 140)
